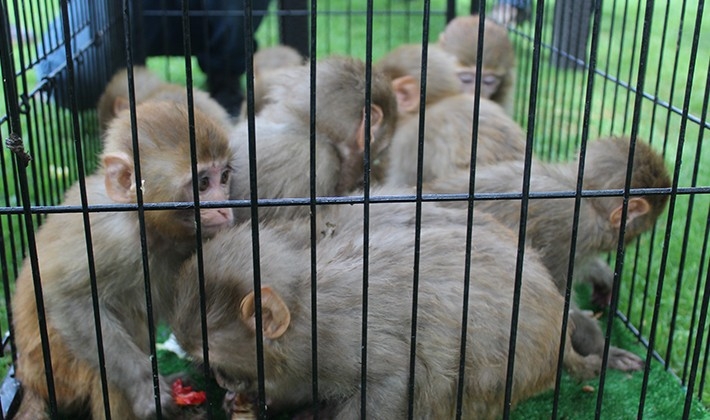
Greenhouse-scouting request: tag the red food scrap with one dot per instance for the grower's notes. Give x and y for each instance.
(185, 396)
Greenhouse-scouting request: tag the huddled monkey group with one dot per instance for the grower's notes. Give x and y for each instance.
(130, 250)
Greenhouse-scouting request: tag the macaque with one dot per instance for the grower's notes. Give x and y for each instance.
(148, 86)
(268, 61)
(286, 315)
(550, 221)
(62, 253)
(460, 38)
(283, 135)
(448, 124)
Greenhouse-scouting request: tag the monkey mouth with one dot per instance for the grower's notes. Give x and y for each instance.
(210, 229)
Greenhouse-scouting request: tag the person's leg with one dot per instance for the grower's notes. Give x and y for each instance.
(511, 12)
(161, 27)
(224, 57)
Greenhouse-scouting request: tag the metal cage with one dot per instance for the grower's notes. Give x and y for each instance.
(584, 70)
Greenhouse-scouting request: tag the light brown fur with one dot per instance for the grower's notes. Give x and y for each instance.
(283, 135)
(549, 221)
(460, 37)
(448, 123)
(62, 256)
(285, 276)
(148, 86)
(267, 63)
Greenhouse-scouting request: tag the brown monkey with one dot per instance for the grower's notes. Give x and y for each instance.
(148, 86)
(285, 299)
(166, 170)
(266, 62)
(460, 37)
(549, 221)
(449, 118)
(283, 134)
(275, 58)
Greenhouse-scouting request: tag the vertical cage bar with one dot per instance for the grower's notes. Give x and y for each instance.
(22, 159)
(366, 208)
(313, 48)
(249, 49)
(418, 208)
(532, 111)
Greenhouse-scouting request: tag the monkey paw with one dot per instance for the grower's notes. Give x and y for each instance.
(624, 360)
(601, 277)
(144, 403)
(601, 297)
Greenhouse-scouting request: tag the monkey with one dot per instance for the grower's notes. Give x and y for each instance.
(285, 300)
(460, 38)
(148, 86)
(448, 125)
(266, 62)
(62, 253)
(283, 135)
(549, 221)
(588, 339)
(276, 57)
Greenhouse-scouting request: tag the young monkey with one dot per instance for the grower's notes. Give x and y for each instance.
(267, 62)
(165, 166)
(449, 118)
(549, 221)
(460, 38)
(148, 86)
(287, 324)
(283, 135)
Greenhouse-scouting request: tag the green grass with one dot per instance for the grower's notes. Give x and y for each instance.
(622, 391)
(558, 128)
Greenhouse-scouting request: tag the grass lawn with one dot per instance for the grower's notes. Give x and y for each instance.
(662, 272)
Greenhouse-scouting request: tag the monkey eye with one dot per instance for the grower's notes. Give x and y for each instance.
(224, 178)
(467, 77)
(490, 80)
(204, 183)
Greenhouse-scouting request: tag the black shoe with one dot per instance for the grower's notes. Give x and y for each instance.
(510, 15)
(226, 91)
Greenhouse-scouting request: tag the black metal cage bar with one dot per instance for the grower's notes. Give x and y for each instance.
(584, 71)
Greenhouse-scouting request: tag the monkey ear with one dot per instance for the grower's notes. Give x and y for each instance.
(406, 89)
(119, 104)
(376, 118)
(275, 315)
(119, 177)
(638, 206)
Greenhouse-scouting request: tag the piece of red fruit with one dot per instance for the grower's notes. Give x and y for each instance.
(185, 396)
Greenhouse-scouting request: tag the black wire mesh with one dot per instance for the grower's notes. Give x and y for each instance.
(585, 70)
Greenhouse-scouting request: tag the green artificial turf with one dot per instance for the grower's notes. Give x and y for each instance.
(558, 123)
(664, 397)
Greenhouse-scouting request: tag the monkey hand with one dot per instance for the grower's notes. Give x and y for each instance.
(601, 298)
(144, 402)
(624, 360)
(601, 277)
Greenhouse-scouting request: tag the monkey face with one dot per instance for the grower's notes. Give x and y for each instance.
(489, 82)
